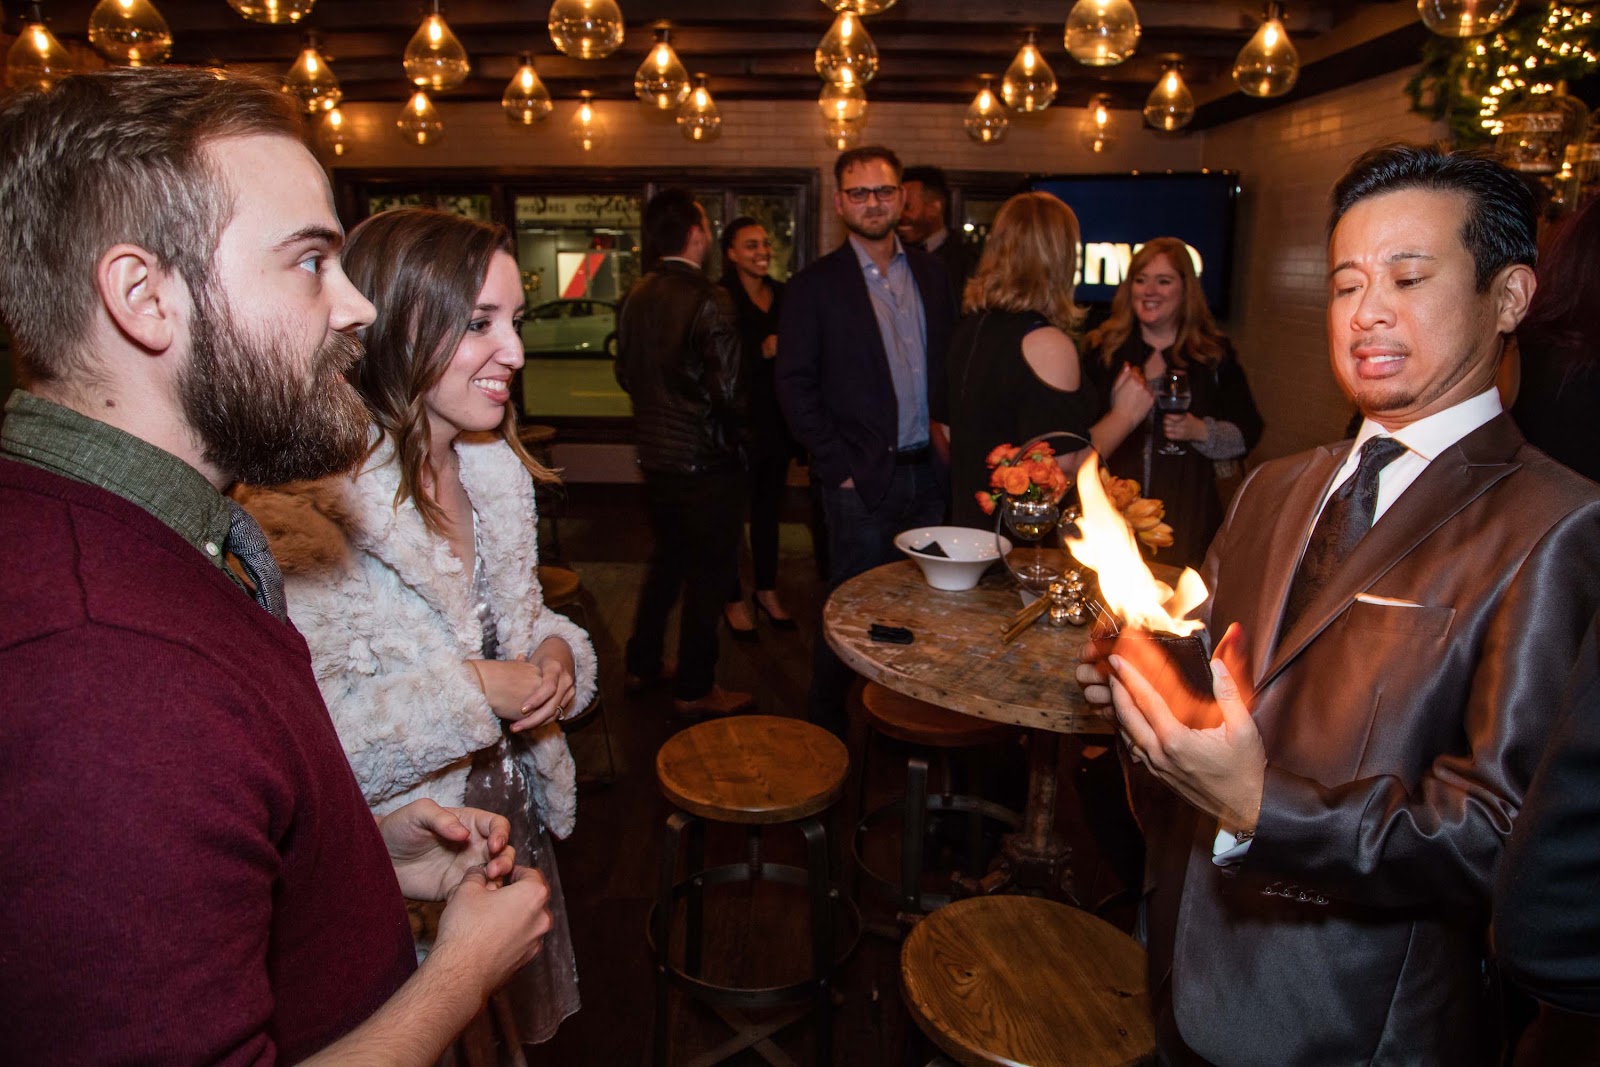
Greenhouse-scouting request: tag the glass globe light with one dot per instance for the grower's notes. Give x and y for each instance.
(1170, 105)
(130, 31)
(859, 7)
(434, 58)
(273, 11)
(1267, 65)
(1464, 18)
(1097, 132)
(661, 80)
(588, 29)
(1102, 33)
(699, 118)
(526, 99)
(843, 136)
(587, 130)
(1029, 83)
(419, 120)
(847, 47)
(843, 101)
(334, 134)
(312, 82)
(36, 59)
(987, 121)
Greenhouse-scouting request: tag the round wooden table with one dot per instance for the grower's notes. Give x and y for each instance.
(956, 660)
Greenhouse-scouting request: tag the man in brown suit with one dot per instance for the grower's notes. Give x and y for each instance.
(1400, 614)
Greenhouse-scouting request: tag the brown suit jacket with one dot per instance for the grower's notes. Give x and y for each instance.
(1399, 743)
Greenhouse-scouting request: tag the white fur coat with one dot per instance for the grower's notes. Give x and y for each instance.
(389, 613)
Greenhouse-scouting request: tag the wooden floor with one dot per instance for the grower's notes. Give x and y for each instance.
(609, 866)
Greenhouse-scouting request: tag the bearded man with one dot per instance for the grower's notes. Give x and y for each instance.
(191, 873)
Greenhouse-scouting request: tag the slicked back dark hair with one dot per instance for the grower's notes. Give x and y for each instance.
(865, 154)
(666, 223)
(931, 179)
(1501, 226)
(106, 158)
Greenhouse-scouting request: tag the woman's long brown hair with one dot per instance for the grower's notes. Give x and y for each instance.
(423, 271)
(1198, 341)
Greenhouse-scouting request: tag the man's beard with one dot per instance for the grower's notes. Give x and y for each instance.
(262, 419)
(873, 230)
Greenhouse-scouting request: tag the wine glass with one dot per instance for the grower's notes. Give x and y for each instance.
(1031, 520)
(1172, 398)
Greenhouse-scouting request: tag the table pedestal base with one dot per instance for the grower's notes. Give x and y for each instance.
(1038, 860)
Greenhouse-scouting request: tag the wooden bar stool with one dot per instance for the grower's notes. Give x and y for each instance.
(933, 732)
(563, 592)
(1027, 982)
(754, 771)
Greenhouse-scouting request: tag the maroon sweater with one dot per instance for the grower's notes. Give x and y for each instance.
(188, 872)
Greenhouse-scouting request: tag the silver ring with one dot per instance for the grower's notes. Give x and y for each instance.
(561, 711)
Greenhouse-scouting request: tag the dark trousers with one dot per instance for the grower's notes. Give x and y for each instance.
(695, 520)
(859, 539)
(769, 475)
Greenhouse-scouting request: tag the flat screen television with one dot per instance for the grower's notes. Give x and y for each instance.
(1119, 212)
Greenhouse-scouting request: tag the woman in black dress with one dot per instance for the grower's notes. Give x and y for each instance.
(1159, 322)
(747, 252)
(1012, 371)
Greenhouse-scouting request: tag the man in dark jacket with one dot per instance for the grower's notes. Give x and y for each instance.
(678, 358)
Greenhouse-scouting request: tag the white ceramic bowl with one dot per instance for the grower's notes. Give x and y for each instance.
(970, 554)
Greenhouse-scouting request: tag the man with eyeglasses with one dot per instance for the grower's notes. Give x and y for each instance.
(861, 340)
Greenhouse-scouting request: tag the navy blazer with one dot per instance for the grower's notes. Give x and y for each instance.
(833, 377)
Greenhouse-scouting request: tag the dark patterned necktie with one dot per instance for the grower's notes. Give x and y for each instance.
(249, 546)
(1345, 520)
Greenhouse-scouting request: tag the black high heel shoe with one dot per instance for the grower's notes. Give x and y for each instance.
(778, 622)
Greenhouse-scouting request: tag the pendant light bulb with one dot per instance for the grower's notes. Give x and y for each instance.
(587, 29)
(843, 101)
(1464, 18)
(275, 12)
(987, 121)
(419, 120)
(859, 7)
(36, 59)
(334, 134)
(1097, 132)
(311, 81)
(842, 136)
(1267, 65)
(131, 32)
(847, 47)
(526, 100)
(1102, 33)
(587, 130)
(1029, 84)
(1170, 105)
(434, 58)
(698, 117)
(661, 80)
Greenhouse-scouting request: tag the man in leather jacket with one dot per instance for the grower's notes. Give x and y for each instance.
(678, 358)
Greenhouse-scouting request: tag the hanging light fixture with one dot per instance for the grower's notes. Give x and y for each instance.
(661, 79)
(310, 80)
(1464, 18)
(1096, 132)
(1102, 33)
(1170, 105)
(1029, 83)
(36, 58)
(843, 101)
(859, 7)
(847, 47)
(434, 58)
(842, 136)
(333, 131)
(526, 99)
(130, 31)
(273, 11)
(588, 29)
(987, 121)
(1267, 65)
(587, 130)
(698, 117)
(419, 120)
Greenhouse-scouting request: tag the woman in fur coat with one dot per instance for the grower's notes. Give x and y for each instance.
(413, 577)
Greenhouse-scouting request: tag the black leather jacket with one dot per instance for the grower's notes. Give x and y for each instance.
(678, 358)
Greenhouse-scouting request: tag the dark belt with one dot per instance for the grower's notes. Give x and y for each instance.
(907, 456)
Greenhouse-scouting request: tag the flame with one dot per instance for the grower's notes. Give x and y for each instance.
(1128, 589)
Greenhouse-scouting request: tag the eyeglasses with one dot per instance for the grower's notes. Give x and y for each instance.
(860, 193)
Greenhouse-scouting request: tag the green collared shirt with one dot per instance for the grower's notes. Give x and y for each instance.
(57, 439)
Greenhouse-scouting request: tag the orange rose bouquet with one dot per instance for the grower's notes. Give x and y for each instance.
(1030, 475)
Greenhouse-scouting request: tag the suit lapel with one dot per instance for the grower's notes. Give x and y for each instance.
(858, 302)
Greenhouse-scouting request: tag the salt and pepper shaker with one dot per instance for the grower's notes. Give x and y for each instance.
(1067, 602)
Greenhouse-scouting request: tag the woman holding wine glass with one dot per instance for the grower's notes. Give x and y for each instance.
(1203, 413)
